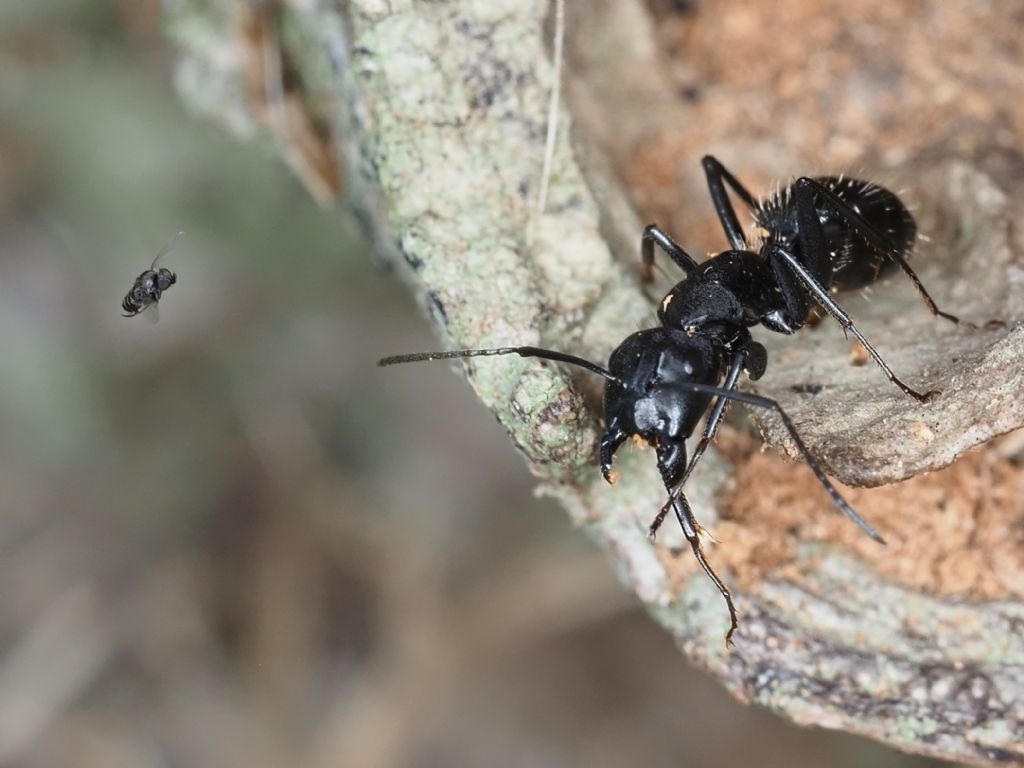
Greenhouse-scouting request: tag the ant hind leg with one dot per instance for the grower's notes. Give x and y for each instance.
(717, 177)
(807, 189)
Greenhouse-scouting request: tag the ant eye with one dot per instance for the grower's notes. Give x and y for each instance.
(678, 364)
(691, 363)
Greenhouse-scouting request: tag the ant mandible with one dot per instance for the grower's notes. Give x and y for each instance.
(817, 235)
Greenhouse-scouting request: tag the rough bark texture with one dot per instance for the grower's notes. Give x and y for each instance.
(437, 113)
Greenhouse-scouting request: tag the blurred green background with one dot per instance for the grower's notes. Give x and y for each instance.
(228, 539)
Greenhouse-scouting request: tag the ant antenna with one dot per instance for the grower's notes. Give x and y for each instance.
(544, 354)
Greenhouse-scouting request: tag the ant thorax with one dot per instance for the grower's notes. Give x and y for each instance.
(729, 291)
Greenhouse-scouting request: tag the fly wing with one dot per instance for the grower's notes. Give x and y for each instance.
(168, 246)
(152, 313)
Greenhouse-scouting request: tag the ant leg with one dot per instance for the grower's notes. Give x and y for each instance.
(690, 528)
(653, 234)
(753, 358)
(716, 174)
(652, 529)
(765, 402)
(805, 190)
(796, 305)
(822, 297)
(717, 413)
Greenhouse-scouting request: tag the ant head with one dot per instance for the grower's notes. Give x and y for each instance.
(649, 396)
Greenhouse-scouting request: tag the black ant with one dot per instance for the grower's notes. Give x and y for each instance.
(816, 236)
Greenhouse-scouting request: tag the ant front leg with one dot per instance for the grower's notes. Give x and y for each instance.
(717, 177)
(807, 189)
(716, 415)
(655, 235)
(752, 358)
(691, 530)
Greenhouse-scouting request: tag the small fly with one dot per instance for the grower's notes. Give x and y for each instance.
(149, 287)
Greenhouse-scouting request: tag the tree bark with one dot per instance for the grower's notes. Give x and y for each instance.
(435, 115)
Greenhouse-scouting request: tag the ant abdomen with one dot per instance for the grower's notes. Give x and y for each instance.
(855, 262)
